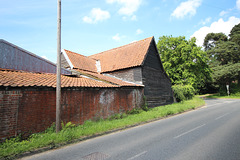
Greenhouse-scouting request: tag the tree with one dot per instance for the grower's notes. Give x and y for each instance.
(184, 61)
(227, 52)
(212, 39)
(225, 73)
(235, 34)
(224, 55)
(235, 37)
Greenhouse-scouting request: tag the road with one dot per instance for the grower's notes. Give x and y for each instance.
(208, 133)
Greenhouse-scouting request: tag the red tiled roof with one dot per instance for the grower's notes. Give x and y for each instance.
(27, 79)
(81, 62)
(130, 55)
(108, 79)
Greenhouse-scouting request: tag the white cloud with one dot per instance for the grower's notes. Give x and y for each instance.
(139, 31)
(238, 4)
(128, 7)
(87, 19)
(223, 13)
(207, 20)
(117, 37)
(186, 8)
(215, 27)
(96, 15)
(45, 57)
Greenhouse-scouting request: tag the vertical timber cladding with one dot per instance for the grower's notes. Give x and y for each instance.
(131, 74)
(157, 85)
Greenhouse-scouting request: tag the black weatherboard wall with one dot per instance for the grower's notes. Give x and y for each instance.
(130, 74)
(157, 85)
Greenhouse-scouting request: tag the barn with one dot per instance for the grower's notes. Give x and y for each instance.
(28, 94)
(93, 87)
(138, 63)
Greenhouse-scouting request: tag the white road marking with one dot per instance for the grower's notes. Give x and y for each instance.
(189, 131)
(137, 155)
(220, 103)
(214, 104)
(221, 116)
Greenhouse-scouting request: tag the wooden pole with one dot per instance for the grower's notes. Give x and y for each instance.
(58, 89)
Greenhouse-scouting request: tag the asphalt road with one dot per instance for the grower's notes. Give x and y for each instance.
(208, 133)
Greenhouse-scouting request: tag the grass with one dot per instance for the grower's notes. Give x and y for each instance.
(232, 96)
(15, 146)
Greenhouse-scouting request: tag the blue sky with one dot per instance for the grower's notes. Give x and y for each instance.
(93, 26)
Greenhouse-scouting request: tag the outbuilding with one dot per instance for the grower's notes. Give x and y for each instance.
(138, 62)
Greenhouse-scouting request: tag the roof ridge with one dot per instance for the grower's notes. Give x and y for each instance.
(134, 42)
(27, 52)
(77, 53)
(14, 70)
(22, 71)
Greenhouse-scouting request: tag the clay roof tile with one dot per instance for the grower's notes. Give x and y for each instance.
(28, 79)
(81, 62)
(127, 56)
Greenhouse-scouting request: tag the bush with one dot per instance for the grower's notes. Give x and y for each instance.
(183, 92)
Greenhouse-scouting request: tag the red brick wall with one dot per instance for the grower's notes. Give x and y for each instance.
(9, 102)
(28, 111)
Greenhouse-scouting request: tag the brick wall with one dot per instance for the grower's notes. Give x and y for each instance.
(31, 110)
(9, 102)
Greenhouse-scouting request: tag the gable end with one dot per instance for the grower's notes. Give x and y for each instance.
(152, 58)
(65, 61)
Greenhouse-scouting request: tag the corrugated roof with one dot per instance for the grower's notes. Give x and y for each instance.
(28, 79)
(81, 62)
(108, 79)
(17, 58)
(127, 56)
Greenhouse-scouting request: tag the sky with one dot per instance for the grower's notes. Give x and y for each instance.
(93, 26)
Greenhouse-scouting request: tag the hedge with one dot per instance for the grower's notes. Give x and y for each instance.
(183, 92)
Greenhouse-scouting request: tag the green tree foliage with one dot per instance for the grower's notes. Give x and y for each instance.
(184, 61)
(235, 34)
(212, 39)
(225, 73)
(224, 55)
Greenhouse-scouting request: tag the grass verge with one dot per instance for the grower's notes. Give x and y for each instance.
(231, 96)
(70, 133)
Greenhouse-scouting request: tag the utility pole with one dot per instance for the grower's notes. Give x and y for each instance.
(58, 88)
